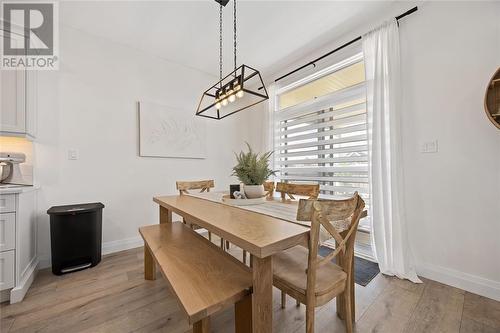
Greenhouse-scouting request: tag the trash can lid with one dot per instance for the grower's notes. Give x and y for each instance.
(72, 209)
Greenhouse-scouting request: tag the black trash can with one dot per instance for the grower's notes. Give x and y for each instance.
(75, 236)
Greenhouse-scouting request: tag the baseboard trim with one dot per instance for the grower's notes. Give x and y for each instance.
(121, 245)
(106, 248)
(5, 295)
(472, 283)
(17, 293)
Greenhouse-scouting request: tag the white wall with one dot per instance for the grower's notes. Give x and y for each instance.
(90, 105)
(449, 52)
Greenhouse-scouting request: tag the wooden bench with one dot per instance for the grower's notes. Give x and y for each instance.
(202, 277)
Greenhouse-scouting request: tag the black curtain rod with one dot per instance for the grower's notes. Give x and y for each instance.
(408, 12)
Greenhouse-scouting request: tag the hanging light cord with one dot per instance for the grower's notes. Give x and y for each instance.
(234, 37)
(220, 45)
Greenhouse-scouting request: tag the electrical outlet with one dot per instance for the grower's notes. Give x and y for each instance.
(72, 154)
(429, 147)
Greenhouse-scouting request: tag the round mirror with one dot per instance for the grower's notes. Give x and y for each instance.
(492, 99)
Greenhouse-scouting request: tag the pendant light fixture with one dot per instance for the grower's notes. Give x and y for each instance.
(239, 90)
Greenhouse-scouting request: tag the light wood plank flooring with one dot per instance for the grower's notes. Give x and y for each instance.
(114, 297)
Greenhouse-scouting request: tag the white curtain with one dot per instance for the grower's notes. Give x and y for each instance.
(389, 234)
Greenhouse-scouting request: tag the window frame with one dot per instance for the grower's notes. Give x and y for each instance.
(319, 103)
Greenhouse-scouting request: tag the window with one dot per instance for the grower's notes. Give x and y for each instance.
(320, 131)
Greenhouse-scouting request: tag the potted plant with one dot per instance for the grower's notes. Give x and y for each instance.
(253, 170)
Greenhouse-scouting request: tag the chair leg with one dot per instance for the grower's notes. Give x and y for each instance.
(227, 245)
(297, 303)
(309, 319)
(209, 236)
(245, 257)
(348, 310)
(283, 299)
(202, 326)
(243, 315)
(222, 244)
(149, 265)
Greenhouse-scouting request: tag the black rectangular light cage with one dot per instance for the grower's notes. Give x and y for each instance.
(238, 91)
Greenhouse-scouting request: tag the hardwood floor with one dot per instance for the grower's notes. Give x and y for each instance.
(114, 297)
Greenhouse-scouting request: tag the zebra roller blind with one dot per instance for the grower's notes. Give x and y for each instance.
(320, 132)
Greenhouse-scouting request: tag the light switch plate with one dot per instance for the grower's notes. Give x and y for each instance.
(429, 147)
(72, 154)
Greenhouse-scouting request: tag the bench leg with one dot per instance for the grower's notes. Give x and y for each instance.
(202, 326)
(149, 264)
(243, 315)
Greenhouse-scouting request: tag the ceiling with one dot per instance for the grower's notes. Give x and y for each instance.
(187, 32)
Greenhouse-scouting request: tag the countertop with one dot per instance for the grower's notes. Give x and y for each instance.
(14, 189)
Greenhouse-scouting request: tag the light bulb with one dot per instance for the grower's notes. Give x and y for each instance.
(224, 102)
(232, 98)
(217, 105)
(240, 94)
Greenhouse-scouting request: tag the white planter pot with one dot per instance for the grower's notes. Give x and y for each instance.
(254, 191)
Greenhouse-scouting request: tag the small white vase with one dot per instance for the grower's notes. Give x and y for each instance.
(254, 191)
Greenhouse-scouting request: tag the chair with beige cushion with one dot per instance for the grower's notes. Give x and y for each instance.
(204, 186)
(289, 189)
(312, 279)
(269, 188)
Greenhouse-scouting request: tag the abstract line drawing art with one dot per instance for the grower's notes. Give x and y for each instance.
(169, 132)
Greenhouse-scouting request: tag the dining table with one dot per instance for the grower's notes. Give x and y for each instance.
(262, 230)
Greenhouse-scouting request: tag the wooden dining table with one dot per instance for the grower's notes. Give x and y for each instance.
(259, 234)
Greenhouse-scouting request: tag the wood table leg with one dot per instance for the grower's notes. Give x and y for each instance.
(202, 326)
(149, 264)
(165, 215)
(243, 315)
(262, 303)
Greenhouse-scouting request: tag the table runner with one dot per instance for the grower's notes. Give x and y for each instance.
(286, 211)
(283, 211)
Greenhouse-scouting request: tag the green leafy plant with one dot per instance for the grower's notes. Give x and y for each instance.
(252, 168)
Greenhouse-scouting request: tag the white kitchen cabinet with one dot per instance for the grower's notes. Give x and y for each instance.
(6, 273)
(7, 231)
(18, 243)
(18, 99)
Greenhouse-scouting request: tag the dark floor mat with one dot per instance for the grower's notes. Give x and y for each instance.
(364, 270)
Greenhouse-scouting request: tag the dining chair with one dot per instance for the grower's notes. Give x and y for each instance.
(204, 186)
(269, 189)
(314, 280)
(290, 189)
